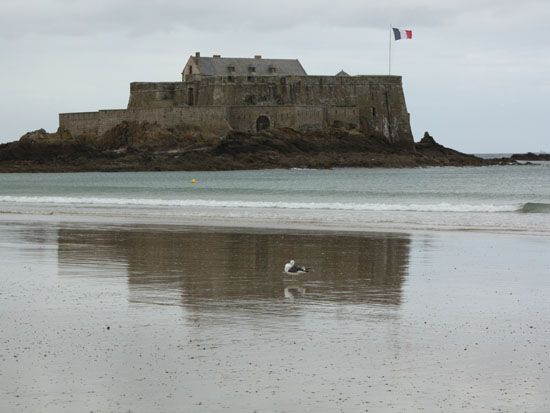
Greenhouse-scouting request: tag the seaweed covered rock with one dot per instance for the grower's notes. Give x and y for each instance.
(131, 146)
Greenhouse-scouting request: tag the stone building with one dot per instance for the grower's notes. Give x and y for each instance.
(216, 65)
(219, 94)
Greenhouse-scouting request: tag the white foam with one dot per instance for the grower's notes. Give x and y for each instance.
(203, 203)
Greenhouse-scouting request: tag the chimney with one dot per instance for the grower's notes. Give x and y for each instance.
(258, 56)
(197, 54)
(217, 55)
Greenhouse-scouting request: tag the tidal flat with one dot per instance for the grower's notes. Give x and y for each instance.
(103, 317)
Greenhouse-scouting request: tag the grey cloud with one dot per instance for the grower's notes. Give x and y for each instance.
(140, 17)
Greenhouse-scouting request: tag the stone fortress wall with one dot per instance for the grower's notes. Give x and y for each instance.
(214, 118)
(210, 118)
(370, 104)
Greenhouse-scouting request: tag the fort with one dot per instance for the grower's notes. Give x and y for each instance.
(218, 94)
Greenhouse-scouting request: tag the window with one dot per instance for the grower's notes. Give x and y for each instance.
(190, 70)
(272, 69)
(373, 112)
(250, 78)
(230, 79)
(231, 68)
(251, 69)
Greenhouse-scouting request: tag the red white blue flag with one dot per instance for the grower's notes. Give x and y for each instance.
(399, 34)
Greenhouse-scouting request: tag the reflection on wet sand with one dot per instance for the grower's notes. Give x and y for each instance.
(242, 267)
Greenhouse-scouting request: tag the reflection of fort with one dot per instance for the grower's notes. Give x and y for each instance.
(200, 265)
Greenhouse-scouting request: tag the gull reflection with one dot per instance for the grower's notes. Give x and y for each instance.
(293, 291)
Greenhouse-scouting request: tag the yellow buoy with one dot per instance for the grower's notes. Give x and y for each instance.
(193, 181)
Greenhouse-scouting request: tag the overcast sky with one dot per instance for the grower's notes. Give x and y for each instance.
(476, 75)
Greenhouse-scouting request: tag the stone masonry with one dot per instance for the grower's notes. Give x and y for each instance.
(219, 94)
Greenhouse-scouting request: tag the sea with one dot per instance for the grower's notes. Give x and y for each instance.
(493, 198)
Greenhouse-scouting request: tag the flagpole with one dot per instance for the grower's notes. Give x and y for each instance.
(389, 58)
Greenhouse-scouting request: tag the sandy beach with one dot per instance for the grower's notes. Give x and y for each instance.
(104, 317)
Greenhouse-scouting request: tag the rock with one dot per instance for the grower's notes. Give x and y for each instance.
(38, 134)
(530, 156)
(131, 146)
(427, 139)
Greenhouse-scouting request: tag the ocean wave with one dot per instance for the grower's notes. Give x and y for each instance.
(203, 203)
(536, 207)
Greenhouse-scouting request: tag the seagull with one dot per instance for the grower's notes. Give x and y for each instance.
(292, 268)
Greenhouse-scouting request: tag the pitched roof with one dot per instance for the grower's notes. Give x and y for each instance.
(219, 66)
(341, 73)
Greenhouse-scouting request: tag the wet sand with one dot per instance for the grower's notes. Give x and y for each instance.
(100, 317)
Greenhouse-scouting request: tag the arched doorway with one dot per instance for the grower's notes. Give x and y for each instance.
(262, 123)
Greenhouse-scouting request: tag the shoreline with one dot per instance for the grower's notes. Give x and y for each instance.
(260, 226)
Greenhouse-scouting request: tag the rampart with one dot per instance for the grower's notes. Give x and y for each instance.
(211, 118)
(80, 123)
(371, 104)
(214, 118)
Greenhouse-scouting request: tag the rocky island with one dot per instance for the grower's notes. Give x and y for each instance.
(239, 113)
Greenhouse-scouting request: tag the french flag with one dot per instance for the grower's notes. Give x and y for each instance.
(402, 34)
